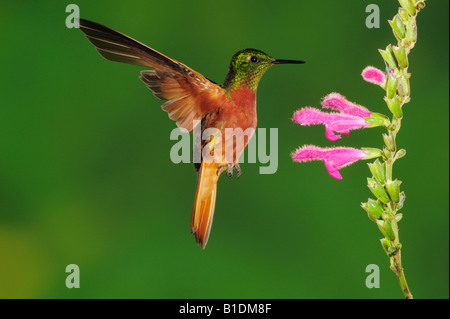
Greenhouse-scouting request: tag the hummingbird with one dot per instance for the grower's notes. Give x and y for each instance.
(192, 98)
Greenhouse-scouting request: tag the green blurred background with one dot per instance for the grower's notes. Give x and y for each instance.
(86, 178)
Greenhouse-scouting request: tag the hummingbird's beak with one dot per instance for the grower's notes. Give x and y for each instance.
(278, 61)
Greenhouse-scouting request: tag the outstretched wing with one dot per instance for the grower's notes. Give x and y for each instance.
(189, 95)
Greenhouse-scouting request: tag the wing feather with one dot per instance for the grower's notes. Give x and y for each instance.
(189, 95)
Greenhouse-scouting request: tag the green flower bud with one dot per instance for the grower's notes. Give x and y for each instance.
(377, 119)
(420, 5)
(394, 106)
(374, 211)
(372, 152)
(397, 27)
(389, 57)
(389, 141)
(411, 32)
(403, 15)
(389, 231)
(401, 153)
(398, 217)
(393, 189)
(378, 190)
(386, 152)
(386, 244)
(386, 229)
(380, 224)
(401, 56)
(404, 88)
(401, 201)
(391, 89)
(408, 5)
(377, 170)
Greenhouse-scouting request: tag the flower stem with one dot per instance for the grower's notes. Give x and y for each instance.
(396, 266)
(395, 256)
(397, 95)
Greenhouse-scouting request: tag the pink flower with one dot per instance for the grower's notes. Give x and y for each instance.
(334, 122)
(373, 75)
(338, 102)
(334, 158)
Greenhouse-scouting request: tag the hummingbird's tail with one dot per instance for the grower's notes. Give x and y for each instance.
(205, 200)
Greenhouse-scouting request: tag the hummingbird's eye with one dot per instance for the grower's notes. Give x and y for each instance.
(254, 59)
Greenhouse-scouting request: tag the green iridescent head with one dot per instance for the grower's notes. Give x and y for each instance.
(248, 66)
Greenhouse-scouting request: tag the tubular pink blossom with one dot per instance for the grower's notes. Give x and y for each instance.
(334, 158)
(338, 102)
(334, 122)
(373, 75)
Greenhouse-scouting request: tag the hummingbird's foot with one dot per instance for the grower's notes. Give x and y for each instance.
(230, 171)
(229, 168)
(238, 169)
(222, 168)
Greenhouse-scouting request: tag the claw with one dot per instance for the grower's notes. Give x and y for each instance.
(230, 171)
(220, 170)
(238, 169)
(229, 168)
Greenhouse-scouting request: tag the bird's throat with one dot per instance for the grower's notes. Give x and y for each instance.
(243, 97)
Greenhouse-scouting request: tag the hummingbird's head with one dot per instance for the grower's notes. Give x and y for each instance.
(248, 66)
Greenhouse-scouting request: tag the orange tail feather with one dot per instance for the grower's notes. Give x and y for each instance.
(205, 200)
